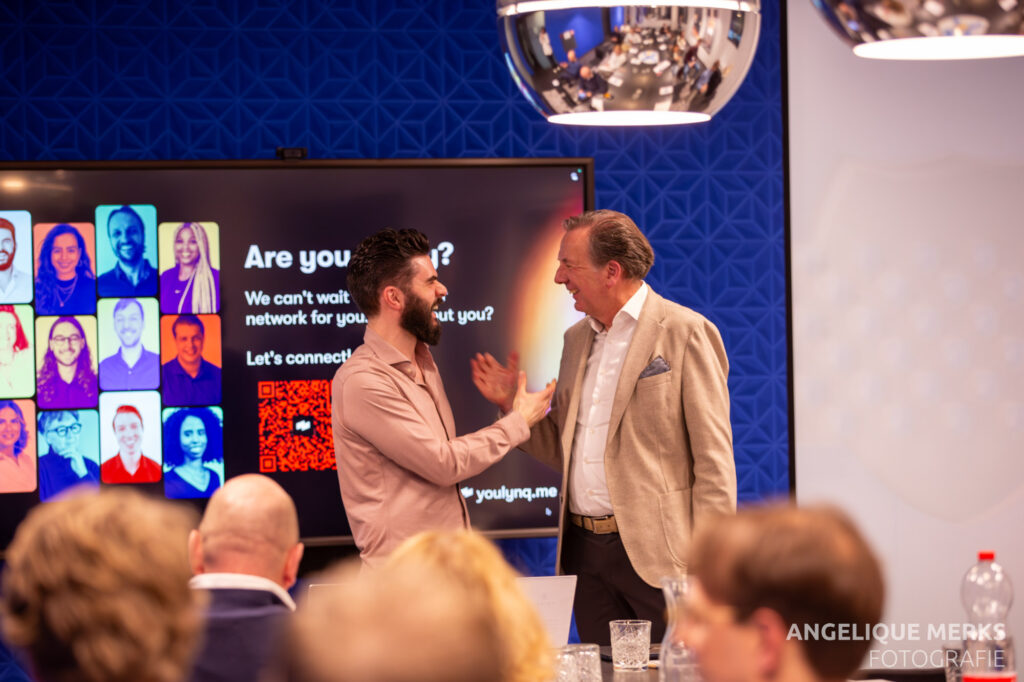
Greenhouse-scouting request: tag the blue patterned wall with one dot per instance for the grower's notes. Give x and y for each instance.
(195, 79)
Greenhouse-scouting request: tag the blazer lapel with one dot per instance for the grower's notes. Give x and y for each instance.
(581, 345)
(637, 357)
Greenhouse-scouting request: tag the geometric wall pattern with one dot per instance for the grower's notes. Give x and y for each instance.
(183, 79)
(11, 669)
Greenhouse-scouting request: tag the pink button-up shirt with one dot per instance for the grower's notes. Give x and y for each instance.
(399, 461)
(18, 475)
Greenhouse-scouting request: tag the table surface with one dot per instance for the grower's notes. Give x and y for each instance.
(609, 674)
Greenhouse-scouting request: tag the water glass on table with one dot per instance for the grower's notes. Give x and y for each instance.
(631, 644)
(579, 663)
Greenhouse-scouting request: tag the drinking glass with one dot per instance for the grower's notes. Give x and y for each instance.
(631, 644)
(579, 663)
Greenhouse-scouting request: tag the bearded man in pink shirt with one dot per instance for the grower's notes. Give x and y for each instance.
(399, 460)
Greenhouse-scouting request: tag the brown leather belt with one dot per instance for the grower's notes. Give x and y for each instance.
(599, 525)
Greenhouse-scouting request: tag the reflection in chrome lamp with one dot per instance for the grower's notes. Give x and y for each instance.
(599, 62)
(927, 30)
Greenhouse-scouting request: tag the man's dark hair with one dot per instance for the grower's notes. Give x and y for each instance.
(48, 417)
(187, 319)
(127, 210)
(615, 237)
(381, 260)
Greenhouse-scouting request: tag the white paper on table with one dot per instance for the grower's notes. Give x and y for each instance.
(552, 596)
(665, 90)
(616, 81)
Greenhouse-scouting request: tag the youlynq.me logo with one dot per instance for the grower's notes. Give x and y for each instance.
(897, 650)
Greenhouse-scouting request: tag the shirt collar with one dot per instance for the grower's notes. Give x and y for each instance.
(16, 277)
(144, 269)
(204, 368)
(392, 356)
(240, 581)
(631, 308)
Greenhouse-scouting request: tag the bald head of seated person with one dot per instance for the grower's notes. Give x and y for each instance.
(591, 83)
(246, 554)
(764, 580)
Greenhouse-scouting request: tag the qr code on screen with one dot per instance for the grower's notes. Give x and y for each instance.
(295, 425)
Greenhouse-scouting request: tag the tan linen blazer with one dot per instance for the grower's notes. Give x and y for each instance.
(669, 460)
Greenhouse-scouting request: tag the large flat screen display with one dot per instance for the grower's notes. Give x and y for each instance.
(171, 325)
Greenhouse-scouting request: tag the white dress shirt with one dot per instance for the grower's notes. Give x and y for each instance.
(588, 488)
(18, 289)
(240, 581)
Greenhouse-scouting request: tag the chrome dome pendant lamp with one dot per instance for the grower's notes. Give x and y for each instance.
(598, 62)
(928, 29)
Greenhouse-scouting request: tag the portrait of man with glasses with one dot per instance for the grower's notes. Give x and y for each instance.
(66, 376)
(67, 451)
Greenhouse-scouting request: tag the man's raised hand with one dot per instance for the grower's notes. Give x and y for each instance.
(533, 406)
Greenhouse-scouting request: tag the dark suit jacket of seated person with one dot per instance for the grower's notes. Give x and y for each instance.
(590, 82)
(65, 284)
(129, 465)
(245, 555)
(66, 378)
(133, 275)
(189, 379)
(144, 371)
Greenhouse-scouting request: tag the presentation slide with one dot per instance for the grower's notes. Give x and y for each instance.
(171, 325)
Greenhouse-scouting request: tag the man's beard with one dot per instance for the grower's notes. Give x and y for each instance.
(135, 259)
(9, 262)
(418, 320)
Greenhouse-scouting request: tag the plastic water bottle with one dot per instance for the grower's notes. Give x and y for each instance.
(987, 593)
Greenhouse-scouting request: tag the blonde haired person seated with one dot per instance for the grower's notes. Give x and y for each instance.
(476, 564)
(397, 624)
(96, 589)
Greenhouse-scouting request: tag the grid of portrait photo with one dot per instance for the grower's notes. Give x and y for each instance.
(110, 353)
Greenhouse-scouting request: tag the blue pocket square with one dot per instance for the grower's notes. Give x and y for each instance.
(657, 366)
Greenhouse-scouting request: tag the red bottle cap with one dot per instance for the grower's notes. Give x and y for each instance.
(986, 556)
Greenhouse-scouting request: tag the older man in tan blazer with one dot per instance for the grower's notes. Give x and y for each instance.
(639, 426)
